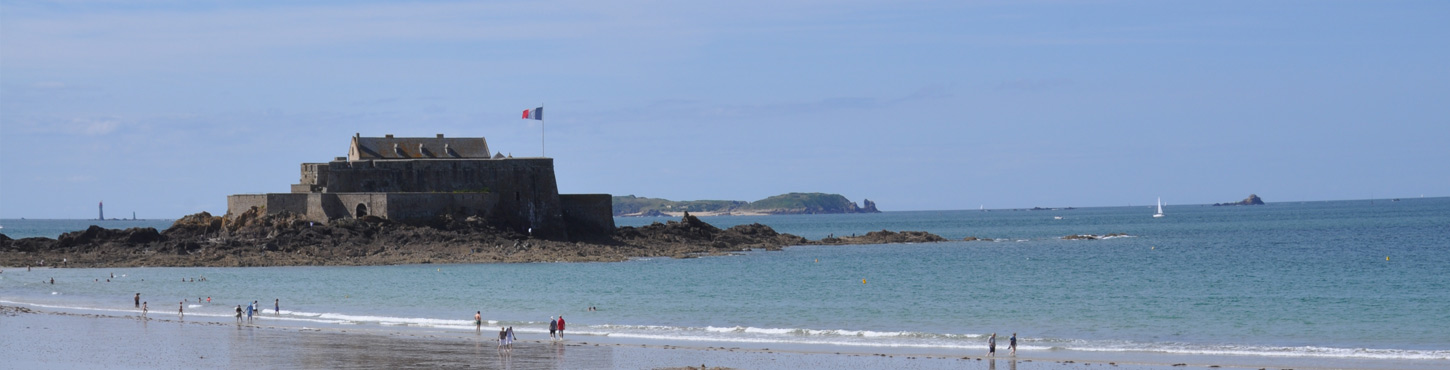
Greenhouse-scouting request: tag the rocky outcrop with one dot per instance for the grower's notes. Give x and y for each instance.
(284, 239)
(884, 237)
(1252, 200)
(867, 206)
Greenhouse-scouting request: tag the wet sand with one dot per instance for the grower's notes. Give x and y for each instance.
(47, 339)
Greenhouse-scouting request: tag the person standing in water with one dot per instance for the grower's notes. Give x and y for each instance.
(239, 314)
(181, 308)
(992, 345)
(138, 300)
(249, 313)
(277, 306)
(501, 336)
(561, 327)
(478, 319)
(511, 337)
(1012, 343)
(553, 327)
(143, 308)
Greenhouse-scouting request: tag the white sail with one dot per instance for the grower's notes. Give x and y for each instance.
(1160, 208)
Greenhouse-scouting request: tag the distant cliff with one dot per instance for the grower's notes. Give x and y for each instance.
(792, 203)
(1252, 200)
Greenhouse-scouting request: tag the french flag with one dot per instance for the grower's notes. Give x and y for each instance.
(536, 113)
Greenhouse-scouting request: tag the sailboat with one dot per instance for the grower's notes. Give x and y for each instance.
(1160, 208)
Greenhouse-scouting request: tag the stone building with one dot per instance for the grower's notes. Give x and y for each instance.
(411, 179)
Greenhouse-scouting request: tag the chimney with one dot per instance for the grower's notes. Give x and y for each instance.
(390, 136)
(440, 136)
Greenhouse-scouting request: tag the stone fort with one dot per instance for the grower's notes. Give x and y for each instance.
(416, 180)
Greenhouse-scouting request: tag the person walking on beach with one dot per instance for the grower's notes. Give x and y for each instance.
(501, 336)
(992, 345)
(561, 327)
(181, 308)
(143, 308)
(1012, 344)
(239, 314)
(511, 337)
(138, 300)
(277, 306)
(249, 313)
(553, 327)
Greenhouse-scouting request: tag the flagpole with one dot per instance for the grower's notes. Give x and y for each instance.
(543, 150)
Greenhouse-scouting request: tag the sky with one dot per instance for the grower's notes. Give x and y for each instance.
(163, 108)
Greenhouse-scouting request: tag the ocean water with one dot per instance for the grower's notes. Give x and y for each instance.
(1353, 280)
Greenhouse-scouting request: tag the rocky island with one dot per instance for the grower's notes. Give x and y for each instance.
(257, 239)
(784, 204)
(404, 200)
(1252, 200)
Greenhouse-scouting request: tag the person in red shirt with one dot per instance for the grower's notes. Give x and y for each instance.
(561, 327)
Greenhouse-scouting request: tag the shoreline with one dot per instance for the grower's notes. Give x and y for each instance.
(161, 340)
(216, 340)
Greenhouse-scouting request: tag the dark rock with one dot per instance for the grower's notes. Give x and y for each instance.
(1252, 200)
(884, 237)
(867, 206)
(254, 238)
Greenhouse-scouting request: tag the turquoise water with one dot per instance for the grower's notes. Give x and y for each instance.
(29, 228)
(1283, 280)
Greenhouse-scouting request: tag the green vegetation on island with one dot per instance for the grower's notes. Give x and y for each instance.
(791, 203)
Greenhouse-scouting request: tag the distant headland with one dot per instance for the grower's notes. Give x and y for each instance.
(784, 204)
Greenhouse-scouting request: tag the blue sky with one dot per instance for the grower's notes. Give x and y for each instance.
(165, 108)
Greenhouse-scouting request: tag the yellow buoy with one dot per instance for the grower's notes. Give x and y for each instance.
(818, 260)
(1387, 258)
(863, 281)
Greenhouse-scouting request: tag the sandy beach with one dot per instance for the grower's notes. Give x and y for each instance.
(37, 338)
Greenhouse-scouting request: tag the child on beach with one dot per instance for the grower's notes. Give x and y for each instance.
(143, 308)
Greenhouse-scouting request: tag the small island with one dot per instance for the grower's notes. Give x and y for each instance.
(784, 204)
(1252, 200)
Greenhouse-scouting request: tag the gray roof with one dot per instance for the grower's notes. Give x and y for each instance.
(390, 147)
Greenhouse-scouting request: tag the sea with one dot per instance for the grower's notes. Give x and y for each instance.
(1362, 282)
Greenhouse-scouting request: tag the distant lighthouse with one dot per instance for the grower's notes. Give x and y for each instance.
(102, 207)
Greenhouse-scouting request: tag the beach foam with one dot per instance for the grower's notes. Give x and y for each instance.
(818, 337)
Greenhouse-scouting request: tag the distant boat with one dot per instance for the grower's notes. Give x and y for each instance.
(1057, 217)
(1160, 209)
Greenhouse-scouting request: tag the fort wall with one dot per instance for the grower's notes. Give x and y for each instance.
(588, 214)
(517, 194)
